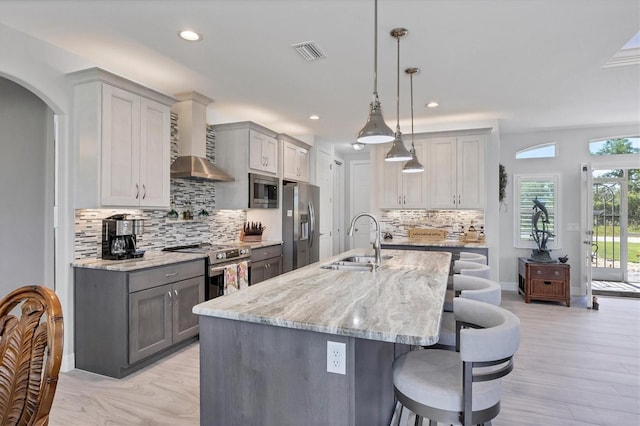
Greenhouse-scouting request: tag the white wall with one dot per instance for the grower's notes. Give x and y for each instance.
(573, 149)
(23, 156)
(41, 68)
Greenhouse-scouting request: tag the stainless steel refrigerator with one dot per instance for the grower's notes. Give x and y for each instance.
(300, 225)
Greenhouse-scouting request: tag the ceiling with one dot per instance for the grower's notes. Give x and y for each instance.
(527, 65)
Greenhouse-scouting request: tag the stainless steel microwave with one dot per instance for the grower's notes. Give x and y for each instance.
(263, 191)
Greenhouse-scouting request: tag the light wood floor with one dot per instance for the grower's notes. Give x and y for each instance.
(574, 367)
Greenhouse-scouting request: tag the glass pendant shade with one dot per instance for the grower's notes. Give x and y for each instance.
(398, 151)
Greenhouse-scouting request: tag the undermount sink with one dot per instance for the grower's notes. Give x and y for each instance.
(349, 266)
(363, 259)
(354, 263)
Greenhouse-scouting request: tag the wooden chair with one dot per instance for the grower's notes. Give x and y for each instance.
(31, 338)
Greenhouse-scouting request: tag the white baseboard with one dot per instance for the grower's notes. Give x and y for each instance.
(68, 363)
(509, 286)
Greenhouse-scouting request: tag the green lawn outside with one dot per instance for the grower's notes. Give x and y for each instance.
(600, 230)
(633, 250)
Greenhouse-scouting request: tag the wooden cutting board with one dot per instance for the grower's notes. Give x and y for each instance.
(427, 234)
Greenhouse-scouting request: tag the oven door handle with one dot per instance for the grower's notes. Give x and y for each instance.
(215, 271)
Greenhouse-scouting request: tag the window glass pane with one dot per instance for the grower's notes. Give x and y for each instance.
(539, 151)
(544, 189)
(630, 145)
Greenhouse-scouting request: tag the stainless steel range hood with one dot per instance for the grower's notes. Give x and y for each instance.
(192, 162)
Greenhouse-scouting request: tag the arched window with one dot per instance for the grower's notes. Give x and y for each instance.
(546, 150)
(615, 146)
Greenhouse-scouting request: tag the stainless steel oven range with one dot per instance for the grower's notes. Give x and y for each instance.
(219, 257)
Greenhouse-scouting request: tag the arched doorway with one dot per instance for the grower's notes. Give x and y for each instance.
(27, 188)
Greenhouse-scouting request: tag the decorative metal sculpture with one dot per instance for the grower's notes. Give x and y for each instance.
(539, 233)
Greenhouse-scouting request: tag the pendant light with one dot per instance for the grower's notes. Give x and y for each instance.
(398, 151)
(413, 165)
(375, 130)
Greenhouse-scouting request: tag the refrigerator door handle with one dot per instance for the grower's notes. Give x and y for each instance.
(312, 219)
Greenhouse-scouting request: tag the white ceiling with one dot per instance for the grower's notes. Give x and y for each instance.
(531, 64)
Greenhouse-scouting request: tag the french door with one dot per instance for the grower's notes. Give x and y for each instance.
(586, 222)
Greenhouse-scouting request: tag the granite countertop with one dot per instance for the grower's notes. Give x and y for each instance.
(400, 302)
(259, 244)
(150, 260)
(442, 243)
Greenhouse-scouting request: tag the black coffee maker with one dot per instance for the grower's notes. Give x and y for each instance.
(119, 237)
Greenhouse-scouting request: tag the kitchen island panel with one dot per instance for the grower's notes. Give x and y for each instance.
(285, 371)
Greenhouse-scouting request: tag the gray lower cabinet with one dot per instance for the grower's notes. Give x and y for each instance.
(126, 320)
(266, 262)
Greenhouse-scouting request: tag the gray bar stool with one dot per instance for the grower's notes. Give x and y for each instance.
(467, 287)
(465, 268)
(456, 387)
(468, 256)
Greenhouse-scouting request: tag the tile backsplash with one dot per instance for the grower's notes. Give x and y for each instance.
(219, 227)
(399, 221)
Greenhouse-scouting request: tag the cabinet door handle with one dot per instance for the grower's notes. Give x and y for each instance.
(144, 191)
(459, 200)
(454, 199)
(137, 191)
(172, 274)
(399, 199)
(175, 293)
(404, 199)
(169, 293)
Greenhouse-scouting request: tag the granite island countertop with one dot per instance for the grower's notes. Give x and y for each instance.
(400, 302)
(149, 260)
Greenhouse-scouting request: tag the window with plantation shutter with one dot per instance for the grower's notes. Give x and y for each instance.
(528, 188)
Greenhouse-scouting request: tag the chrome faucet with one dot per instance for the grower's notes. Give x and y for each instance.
(376, 243)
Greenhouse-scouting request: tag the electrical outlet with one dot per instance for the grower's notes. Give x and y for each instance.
(336, 357)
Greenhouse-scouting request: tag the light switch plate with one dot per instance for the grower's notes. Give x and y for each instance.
(573, 227)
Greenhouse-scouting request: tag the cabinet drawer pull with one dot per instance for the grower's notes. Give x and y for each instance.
(173, 274)
(557, 273)
(539, 272)
(547, 282)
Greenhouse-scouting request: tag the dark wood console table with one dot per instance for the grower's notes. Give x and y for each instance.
(544, 281)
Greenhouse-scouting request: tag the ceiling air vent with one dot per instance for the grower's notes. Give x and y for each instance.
(309, 50)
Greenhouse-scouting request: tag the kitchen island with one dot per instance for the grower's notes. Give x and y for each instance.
(263, 351)
(452, 246)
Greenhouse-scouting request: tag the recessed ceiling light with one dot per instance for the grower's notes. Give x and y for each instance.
(190, 35)
(432, 104)
(314, 117)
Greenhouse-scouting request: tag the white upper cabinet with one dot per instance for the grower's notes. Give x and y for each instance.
(243, 148)
(263, 152)
(402, 190)
(457, 172)
(295, 159)
(122, 140)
